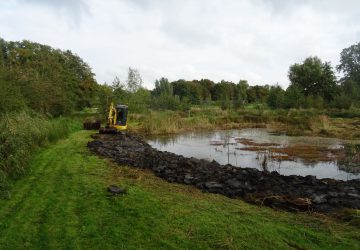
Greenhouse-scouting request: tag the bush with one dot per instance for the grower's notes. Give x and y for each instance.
(341, 102)
(276, 97)
(20, 134)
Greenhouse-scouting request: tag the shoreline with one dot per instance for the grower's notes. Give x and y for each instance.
(293, 193)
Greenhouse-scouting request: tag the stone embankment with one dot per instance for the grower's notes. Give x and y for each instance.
(270, 189)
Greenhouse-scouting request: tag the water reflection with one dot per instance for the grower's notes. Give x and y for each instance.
(257, 148)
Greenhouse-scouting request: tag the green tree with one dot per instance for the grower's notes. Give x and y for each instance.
(294, 98)
(118, 91)
(163, 97)
(206, 87)
(257, 93)
(314, 78)
(11, 99)
(188, 90)
(350, 67)
(48, 80)
(223, 91)
(139, 101)
(134, 81)
(276, 97)
(350, 63)
(163, 87)
(240, 95)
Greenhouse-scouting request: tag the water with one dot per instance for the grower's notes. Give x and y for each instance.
(233, 147)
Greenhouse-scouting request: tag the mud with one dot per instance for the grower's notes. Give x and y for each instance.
(293, 193)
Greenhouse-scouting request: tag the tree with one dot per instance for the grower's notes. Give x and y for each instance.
(163, 87)
(104, 96)
(350, 63)
(223, 91)
(314, 78)
(118, 91)
(134, 80)
(350, 67)
(257, 93)
(163, 97)
(206, 87)
(240, 97)
(294, 98)
(276, 97)
(11, 98)
(328, 83)
(139, 101)
(188, 90)
(47, 80)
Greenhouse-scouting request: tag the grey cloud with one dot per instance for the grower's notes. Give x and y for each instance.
(73, 8)
(255, 40)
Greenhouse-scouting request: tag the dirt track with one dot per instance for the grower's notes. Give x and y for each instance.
(270, 189)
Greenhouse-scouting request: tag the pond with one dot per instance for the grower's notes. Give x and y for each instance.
(263, 150)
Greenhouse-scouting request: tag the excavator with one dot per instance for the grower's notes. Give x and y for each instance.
(117, 119)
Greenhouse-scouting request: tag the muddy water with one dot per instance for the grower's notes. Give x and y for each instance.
(260, 149)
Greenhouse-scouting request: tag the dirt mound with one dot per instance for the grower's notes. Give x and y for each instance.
(270, 189)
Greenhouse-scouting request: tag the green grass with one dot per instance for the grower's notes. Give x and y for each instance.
(20, 135)
(63, 203)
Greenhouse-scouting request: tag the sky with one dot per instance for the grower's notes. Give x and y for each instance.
(254, 40)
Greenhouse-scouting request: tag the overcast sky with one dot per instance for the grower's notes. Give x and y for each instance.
(255, 40)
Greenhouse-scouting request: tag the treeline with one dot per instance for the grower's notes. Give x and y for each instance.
(313, 84)
(47, 80)
(37, 84)
(55, 82)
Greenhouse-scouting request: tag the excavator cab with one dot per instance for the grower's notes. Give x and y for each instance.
(121, 117)
(117, 119)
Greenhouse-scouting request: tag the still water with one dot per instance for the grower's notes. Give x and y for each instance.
(260, 149)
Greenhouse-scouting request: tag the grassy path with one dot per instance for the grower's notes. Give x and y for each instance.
(63, 203)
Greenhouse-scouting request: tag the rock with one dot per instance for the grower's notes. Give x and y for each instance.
(234, 183)
(116, 190)
(188, 179)
(319, 198)
(212, 185)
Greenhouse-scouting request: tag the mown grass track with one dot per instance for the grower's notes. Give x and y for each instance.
(63, 204)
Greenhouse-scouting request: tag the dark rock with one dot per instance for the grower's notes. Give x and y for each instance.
(188, 179)
(319, 198)
(212, 185)
(234, 183)
(116, 190)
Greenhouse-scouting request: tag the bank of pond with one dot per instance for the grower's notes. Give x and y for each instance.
(266, 151)
(290, 192)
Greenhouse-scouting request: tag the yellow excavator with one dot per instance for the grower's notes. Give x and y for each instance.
(117, 119)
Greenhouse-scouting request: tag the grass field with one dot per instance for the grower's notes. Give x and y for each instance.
(63, 203)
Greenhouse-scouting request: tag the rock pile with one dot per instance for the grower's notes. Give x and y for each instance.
(270, 189)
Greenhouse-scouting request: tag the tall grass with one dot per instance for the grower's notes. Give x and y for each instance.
(20, 134)
(293, 121)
